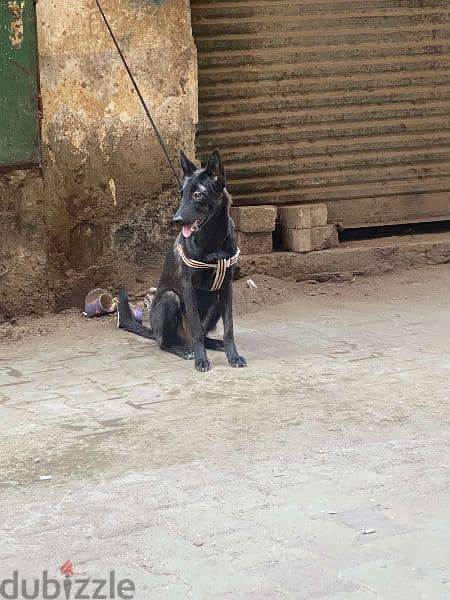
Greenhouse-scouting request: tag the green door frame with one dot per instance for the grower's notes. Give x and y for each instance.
(20, 146)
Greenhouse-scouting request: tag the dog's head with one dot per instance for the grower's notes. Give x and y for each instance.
(202, 194)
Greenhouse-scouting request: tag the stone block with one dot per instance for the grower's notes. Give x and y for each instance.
(297, 240)
(319, 215)
(324, 237)
(252, 219)
(295, 217)
(254, 242)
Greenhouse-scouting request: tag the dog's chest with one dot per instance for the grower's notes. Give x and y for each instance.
(206, 279)
(203, 279)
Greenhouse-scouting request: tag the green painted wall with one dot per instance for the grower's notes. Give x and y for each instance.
(19, 118)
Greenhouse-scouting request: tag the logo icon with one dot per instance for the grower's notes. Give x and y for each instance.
(67, 568)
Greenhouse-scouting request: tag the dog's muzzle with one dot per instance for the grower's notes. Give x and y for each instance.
(188, 228)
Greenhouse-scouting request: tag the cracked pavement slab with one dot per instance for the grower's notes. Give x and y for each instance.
(253, 483)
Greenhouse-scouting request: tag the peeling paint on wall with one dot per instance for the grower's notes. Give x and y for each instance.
(149, 2)
(104, 205)
(16, 23)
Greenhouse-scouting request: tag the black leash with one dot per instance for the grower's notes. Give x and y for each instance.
(141, 98)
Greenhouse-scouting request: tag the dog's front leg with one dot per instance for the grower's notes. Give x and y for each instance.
(226, 308)
(198, 337)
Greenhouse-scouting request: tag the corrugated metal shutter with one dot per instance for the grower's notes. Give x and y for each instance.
(329, 100)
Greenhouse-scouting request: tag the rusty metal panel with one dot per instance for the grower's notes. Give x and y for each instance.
(19, 88)
(343, 101)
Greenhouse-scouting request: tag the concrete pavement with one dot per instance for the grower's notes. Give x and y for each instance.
(319, 472)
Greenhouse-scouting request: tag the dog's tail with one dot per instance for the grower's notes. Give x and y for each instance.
(127, 321)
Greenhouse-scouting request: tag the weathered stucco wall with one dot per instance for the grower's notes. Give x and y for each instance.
(106, 197)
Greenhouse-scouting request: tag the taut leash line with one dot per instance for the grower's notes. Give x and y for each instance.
(138, 91)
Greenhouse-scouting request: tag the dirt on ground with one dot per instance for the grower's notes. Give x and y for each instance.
(269, 291)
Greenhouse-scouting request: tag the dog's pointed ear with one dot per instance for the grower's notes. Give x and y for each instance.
(214, 167)
(188, 166)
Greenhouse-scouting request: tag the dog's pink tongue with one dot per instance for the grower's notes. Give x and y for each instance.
(187, 230)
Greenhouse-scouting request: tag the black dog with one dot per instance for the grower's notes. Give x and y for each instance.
(195, 288)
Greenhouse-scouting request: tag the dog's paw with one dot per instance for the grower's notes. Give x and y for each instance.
(188, 355)
(237, 361)
(202, 364)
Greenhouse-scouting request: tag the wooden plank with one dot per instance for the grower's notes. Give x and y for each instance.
(390, 210)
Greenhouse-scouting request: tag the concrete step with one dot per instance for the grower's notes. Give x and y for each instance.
(366, 257)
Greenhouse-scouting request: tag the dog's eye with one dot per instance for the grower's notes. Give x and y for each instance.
(197, 195)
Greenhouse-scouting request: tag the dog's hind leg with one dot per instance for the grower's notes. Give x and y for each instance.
(181, 351)
(166, 318)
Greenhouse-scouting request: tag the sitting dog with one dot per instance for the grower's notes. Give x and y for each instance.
(195, 288)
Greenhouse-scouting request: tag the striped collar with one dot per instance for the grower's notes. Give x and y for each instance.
(220, 266)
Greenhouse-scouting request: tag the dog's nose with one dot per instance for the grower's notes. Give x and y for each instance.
(177, 220)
